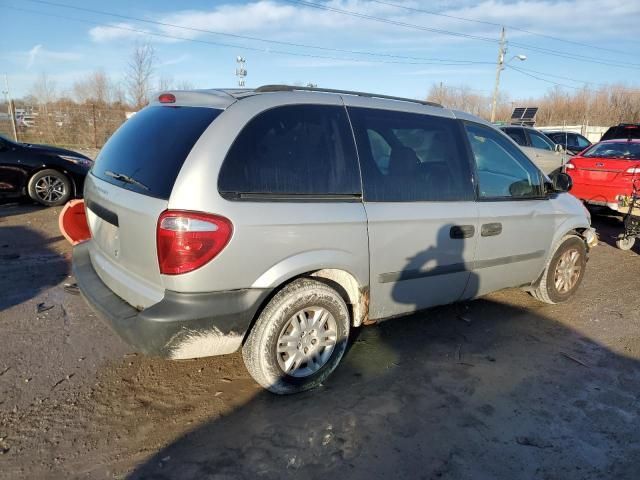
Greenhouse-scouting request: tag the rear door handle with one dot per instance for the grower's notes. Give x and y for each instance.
(491, 229)
(462, 231)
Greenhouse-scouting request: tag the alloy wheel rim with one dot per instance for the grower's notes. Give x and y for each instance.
(306, 342)
(567, 271)
(50, 188)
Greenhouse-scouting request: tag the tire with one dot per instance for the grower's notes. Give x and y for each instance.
(278, 332)
(553, 290)
(50, 188)
(625, 243)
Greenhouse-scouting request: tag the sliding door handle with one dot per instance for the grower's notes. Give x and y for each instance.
(491, 229)
(462, 231)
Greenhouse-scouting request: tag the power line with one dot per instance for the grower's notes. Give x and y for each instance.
(252, 38)
(547, 51)
(495, 24)
(632, 91)
(543, 79)
(235, 46)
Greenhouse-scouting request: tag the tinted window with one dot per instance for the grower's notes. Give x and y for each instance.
(410, 157)
(503, 170)
(151, 147)
(538, 140)
(293, 150)
(582, 142)
(517, 134)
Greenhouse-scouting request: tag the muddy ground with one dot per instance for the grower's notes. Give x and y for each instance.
(499, 388)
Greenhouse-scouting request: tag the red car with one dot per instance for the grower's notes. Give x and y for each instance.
(603, 174)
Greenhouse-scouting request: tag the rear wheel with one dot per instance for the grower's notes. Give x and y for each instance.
(50, 188)
(625, 243)
(299, 338)
(563, 274)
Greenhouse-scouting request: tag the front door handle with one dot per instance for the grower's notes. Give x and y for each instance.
(462, 231)
(491, 229)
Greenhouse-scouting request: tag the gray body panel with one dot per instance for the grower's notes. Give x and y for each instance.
(414, 261)
(546, 160)
(124, 256)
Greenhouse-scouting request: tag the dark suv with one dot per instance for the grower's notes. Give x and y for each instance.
(573, 143)
(623, 130)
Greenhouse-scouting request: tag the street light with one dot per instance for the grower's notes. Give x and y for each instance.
(499, 67)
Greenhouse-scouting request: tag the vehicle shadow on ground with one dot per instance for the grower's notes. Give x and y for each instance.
(28, 264)
(512, 394)
(481, 390)
(12, 207)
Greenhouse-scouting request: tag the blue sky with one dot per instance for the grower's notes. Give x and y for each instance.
(40, 41)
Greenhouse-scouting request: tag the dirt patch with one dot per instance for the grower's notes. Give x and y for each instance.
(501, 387)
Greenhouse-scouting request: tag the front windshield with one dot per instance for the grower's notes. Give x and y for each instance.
(624, 150)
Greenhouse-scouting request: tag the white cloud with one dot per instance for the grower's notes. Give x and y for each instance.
(33, 53)
(117, 31)
(276, 20)
(38, 54)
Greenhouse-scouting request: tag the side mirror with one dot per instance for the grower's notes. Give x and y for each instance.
(561, 182)
(558, 148)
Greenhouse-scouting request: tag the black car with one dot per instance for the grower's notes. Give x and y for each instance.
(622, 131)
(573, 143)
(49, 175)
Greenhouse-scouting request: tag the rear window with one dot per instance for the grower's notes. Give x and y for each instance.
(146, 153)
(622, 150)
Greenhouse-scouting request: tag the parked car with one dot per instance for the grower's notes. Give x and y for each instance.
(604, 173)
(622, 131)
(278, 219)
(540, 148)
(573, 143)
(48, 175)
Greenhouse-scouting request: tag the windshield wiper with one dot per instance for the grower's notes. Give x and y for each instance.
(125, 178)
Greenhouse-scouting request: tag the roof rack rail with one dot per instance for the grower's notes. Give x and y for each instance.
(291, 88)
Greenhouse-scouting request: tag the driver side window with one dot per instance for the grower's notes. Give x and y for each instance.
(503, 170)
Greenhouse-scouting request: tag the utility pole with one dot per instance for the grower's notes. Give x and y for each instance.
(499, 67)
(10, 107)
(241, 71)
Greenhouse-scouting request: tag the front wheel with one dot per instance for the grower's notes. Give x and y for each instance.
(299, 338)
(563, 274)
(50, 188)
(625, 243)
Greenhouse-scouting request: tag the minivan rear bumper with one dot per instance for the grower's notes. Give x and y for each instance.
(181, 325)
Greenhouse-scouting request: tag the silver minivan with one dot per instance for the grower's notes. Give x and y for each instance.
(278, 219)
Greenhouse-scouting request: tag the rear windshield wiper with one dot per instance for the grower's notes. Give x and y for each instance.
(125, 178)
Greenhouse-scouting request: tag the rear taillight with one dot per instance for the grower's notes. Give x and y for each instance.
(188, 240)
(633, 170)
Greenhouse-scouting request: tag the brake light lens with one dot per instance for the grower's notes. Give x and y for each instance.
(167, 98)
(633, 170)
(188, 240)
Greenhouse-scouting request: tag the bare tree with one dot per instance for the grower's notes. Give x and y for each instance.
(185, 85)
(95, 88)
(44, 90)
(139, 74)
(165, 82)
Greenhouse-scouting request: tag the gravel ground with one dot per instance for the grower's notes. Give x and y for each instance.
(499, 388)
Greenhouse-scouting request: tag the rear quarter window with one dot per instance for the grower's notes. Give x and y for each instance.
(292, 151)
(151, 148)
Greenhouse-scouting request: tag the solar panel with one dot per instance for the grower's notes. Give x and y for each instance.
(524, 115)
